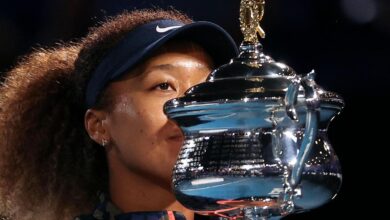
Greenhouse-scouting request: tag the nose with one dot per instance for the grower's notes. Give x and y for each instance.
(185, 86)
(175, 130)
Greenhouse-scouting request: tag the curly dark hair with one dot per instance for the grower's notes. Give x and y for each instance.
(49, 167)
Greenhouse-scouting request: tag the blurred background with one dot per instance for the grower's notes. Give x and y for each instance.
(345, 41)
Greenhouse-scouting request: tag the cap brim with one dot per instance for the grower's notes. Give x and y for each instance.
(211, 37)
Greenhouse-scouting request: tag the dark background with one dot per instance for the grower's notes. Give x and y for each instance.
(345, 41)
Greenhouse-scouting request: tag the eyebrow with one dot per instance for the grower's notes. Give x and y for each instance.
(169, 66)
(161, 67)
(164, 67)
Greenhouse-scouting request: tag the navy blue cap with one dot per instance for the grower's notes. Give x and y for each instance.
(140, 43)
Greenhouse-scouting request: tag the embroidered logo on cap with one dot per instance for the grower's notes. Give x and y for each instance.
(165, 29)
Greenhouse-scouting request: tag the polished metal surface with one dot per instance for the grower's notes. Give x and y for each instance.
(256, 143)
(255, 137)
(217, 171)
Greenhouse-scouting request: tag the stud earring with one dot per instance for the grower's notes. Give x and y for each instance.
(104, 142)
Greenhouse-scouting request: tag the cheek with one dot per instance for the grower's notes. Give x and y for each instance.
(138, 121)
(151, 117)
(147, 124)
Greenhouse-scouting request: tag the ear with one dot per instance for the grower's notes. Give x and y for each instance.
(94, 122)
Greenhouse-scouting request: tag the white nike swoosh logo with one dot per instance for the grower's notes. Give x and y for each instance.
(163, 30)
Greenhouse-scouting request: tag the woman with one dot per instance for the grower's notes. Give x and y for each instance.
(86, 118)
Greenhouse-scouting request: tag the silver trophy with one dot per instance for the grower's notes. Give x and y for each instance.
(256, 144)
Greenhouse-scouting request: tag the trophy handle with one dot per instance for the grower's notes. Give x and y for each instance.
(312, 118)
(291, 97)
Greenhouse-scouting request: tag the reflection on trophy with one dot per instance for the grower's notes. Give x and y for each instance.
(256, 143)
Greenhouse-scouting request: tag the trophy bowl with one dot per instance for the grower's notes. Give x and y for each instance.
(256, 142)
(242, 147)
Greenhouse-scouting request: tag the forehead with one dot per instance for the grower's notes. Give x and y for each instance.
(180, 45)
(175, 51)
(184, 47)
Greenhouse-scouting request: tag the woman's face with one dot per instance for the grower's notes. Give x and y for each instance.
(142, 139)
